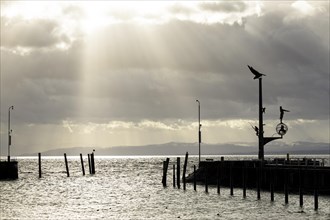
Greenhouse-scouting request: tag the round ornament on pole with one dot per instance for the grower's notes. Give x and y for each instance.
(281, 129)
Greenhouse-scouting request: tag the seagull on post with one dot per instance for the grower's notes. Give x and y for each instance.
(257, 75)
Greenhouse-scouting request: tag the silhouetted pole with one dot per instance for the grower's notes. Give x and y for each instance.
(195, 177)
(82, 164)
(218, 178)
(199, 132)
(39, 162)
(206, 182)
(286, 190)
(66, 165)
(93, 163)
(9, 131)
(231, 178)
(89, 164)
(271, 180)
(301, 194)
(173, 175)
(316, 191)
(165, 167)
(178, 172)
(258, 181)
(184, 171)
(261, 125)
(244, 179)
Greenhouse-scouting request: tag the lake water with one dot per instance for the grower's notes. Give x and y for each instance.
(131, 188)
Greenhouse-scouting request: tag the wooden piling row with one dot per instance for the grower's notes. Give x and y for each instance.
(260, 173)
(165, 167)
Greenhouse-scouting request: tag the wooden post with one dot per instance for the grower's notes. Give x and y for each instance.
(163, 179)
(206, 183)
(66, 165)
(165, 167)
(271, 179)
(89, 164)
(39, 162)
(173, 175)
(286, 191)
(231, 178)
(244, 179)
(218, 178)
(82, 164)
(301, 195)
(195, 177)
(316, 191)
(258, 181)
(93, 163)
(184, 171)
(178, 172)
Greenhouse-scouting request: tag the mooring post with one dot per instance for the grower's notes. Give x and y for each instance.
(178, 172)
(258, 181)
(82, 164)
(301, 194)
(218, 178)
(93, 163)
(206, 182)
(164, 174)
(195, 177)
(286, 191)
(244, 179)
(173, 175)
(39, 163)
(231, 178)
(89, 164)
(271, 180)
(316, 191)
(66, 165)
(184, 171)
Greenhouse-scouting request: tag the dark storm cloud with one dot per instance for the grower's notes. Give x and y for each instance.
(158, 72)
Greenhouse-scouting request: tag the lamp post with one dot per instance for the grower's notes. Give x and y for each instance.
(9, 131)
(199, 132)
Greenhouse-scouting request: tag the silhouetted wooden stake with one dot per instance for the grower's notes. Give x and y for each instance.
(271, 179)
(82, 164)
(301, 195)
(195, 177)
(93, 163)
(206, 182)
(66, 165)
(89, 163)
(184, 171)
(39, 162)
(258, 181)
(244, 179)
(286, 191)
(164, 174)
(173, 175)
(218, 178)
(178, 172)
(231, 178)
(316, 191)
(165, 168)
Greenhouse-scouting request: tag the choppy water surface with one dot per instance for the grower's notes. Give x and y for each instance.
(130, 188)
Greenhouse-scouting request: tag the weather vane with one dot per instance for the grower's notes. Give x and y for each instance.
(281, 128)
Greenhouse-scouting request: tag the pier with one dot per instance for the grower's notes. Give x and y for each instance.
(305, 174)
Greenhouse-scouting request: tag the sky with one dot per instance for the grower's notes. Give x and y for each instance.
(102, 74)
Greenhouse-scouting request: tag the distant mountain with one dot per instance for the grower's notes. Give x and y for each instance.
(174, 148)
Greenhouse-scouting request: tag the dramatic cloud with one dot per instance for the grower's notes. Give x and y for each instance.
(118, 73)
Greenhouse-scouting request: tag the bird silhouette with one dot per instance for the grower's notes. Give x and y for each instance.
(257, 75)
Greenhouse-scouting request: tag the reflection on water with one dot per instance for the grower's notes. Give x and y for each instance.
(130, 188)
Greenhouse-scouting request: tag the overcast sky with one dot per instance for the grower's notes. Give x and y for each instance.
(105, 74)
